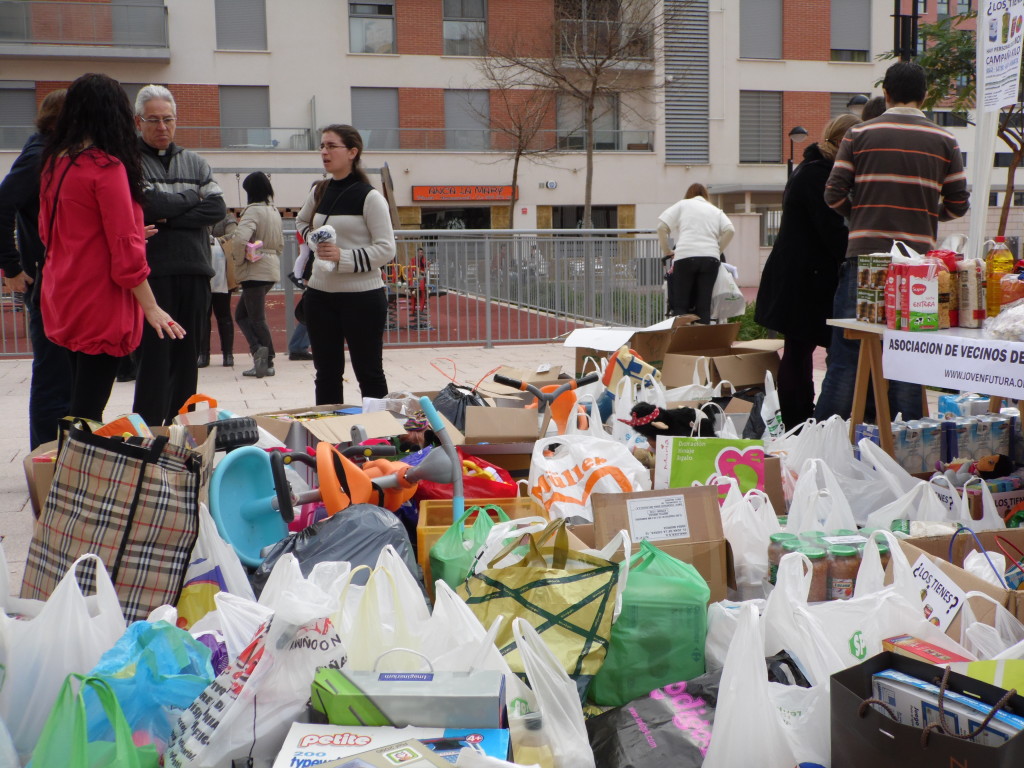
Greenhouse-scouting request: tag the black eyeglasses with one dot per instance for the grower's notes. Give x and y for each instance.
(157, 120)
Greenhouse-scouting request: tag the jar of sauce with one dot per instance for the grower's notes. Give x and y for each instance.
(819, 573)
(843, 564)
(775, 552)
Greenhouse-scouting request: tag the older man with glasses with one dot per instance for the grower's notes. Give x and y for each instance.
(183, 201)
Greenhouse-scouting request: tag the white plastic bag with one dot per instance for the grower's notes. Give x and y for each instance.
(920, 503)
(987, 566)
(700, 389)
(249, 708)
(392, 613)
(625, 398)
(988, 641)
(66, 634)
(771, 413)
(748, 729)
(819, 503)
(723, 618)
(726, 297)
(557, 699)
(991, 520)
(566, 470)
(748, 520)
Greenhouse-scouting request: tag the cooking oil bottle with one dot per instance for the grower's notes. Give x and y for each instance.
(998, 262)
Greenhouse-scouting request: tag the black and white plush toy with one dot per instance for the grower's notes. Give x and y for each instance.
(650, 421)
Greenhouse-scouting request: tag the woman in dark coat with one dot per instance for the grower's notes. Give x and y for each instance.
(800, 277)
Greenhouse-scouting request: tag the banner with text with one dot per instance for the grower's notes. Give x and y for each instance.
(1000, 22)
(986, 366)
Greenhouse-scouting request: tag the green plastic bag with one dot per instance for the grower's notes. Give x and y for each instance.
(65, 743)
(659, 637)
(452, 556)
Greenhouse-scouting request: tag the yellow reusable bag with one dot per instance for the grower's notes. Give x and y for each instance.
(566, 595)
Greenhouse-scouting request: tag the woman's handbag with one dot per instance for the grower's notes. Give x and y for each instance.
(135, 503)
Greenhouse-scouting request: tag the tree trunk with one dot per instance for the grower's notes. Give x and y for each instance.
(515, 182)
(1011, 172)
(588, 123)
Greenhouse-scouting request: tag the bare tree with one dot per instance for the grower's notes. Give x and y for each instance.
(591, 51)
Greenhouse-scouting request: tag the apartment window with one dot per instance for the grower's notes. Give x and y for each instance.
(371, 27)
(571, 217)
(245, 117)
(375, 114)
(467, 120)
(837, 103)
(1002, 160)
(942, 8)
(922, 6)
(761, 29)
(1018, 199)
(760, 127)
(17, 113)
(963, 6)
(993, 199)
(851, 30)
(241, 25)
(949, 119)
(569, 121)
(465, 27)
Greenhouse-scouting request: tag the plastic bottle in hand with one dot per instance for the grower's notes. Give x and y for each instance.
(533, 747)
(998, 262)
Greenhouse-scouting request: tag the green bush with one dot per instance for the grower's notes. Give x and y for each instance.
(749, 328)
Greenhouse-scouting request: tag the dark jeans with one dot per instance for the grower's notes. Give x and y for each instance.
(693, 280)
(251, 315)
(796, 380)
(49, 394)
(92, 378)
(837, 389)
(220, 310)
(168, 371)
(356, 319)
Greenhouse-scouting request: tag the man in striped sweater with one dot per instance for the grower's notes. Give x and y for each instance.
(895, 178)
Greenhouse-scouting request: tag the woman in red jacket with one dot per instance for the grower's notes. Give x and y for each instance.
(95, 295)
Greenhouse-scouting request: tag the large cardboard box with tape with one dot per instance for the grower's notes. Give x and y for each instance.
(650, 342)
(743, 363)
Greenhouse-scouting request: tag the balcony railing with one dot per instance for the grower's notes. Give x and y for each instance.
(115, 23)
(485, 140)
(200, 137)
(613, 40)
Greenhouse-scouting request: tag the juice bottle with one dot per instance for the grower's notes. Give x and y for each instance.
(998, 262)
(532, 747)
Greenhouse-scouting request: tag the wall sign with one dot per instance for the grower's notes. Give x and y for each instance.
(474, 192)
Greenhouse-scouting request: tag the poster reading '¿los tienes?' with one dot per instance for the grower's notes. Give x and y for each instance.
(1000, 23)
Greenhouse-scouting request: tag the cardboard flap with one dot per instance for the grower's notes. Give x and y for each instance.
(760, 345)
(502, 425)
(688, 338)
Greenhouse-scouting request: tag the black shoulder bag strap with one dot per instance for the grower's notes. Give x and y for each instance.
(53, 208)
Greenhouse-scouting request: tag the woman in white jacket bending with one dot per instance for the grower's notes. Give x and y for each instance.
(345, 301)
(701, 231)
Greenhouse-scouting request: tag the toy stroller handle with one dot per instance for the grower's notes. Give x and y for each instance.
(545, 398)
(281, 487)
(305, 458)
(367, 451)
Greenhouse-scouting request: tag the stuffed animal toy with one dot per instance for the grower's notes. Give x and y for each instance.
(650, 421)
(623, 362)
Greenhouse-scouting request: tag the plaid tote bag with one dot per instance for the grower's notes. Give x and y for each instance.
(134, 503)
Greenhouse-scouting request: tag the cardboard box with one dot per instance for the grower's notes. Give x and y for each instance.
(309, 744)
(39, 467)
(685, 523)
(916, 648)
(486, 424)
(916, 703)
(514, 458)
(435, 517)
(741, 363)
(430, 699)
(650, 342)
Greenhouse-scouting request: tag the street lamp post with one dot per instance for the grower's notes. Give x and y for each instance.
(856, 104)
(796, 135)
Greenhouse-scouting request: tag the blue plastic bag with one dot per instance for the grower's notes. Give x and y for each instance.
(156, 671)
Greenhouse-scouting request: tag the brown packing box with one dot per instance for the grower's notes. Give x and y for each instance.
(435, 517)
(773, 484)
(290, 428)
(650, 345)
(39, 467)
(514, 458)
(705, 546)
(488, 424)
(742, 363)
(937, 547)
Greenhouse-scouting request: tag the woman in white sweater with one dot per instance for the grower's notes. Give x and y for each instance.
(345, 301)
(701, 232)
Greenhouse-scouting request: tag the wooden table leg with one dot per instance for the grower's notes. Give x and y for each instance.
(880, 387)
(860, 386)
(995, 404)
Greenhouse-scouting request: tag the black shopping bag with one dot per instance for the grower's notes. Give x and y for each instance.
(865, 736)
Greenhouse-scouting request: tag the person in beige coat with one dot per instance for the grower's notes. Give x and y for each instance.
(255, 250)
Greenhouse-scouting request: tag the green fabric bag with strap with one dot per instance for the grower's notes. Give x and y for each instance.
(453, 555)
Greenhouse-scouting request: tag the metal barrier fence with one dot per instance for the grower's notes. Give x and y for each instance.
(482, 287)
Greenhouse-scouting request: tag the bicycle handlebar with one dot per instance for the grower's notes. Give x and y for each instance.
(545, 397)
